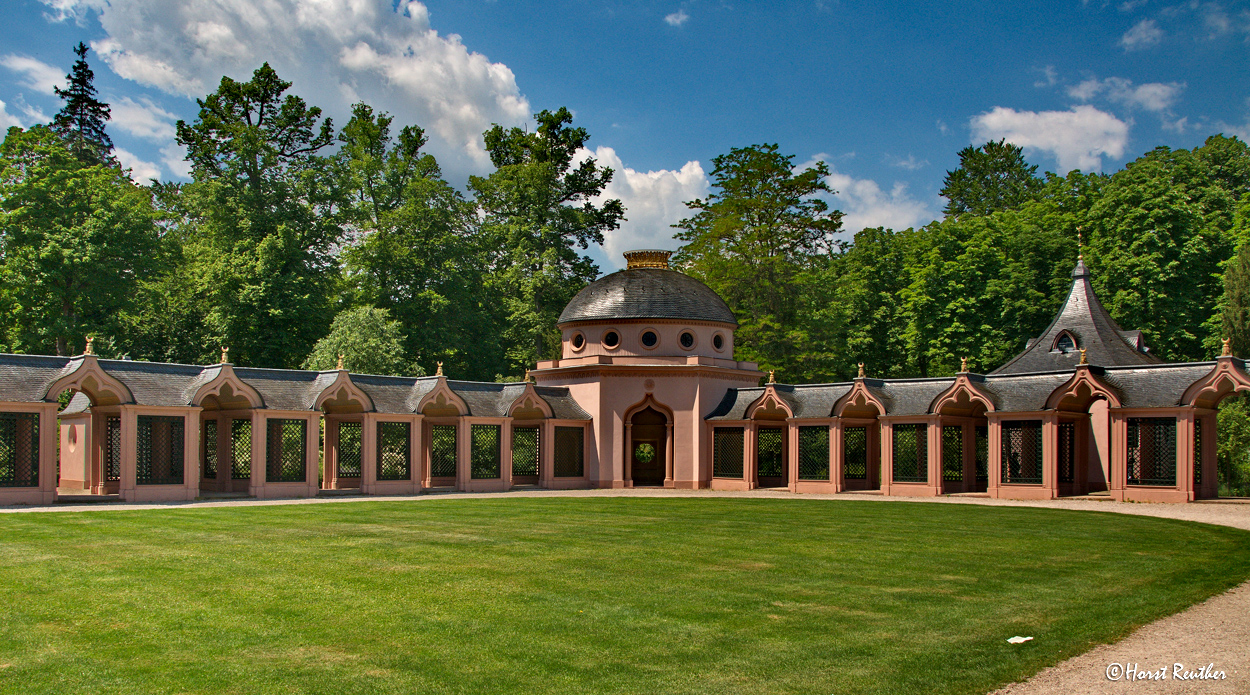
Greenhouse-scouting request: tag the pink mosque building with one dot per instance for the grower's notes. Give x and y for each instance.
(647, 392)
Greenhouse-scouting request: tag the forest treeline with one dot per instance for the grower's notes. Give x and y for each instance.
(297, 240)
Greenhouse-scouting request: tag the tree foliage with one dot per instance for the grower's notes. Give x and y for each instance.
(538, 207)
(259, 214)
(416, 253)
(81, 120)
(369, 342)
(990, 178)
(76, 240)
(761, 240)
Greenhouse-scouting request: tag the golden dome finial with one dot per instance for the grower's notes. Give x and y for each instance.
(225, 354)
(1227, 350)
(89, 350)
(440, 370)
(772, 376)
(963, 364)
(861, 370)
(647, 258)
(528, 378)
(340, 367)
(1083, 360)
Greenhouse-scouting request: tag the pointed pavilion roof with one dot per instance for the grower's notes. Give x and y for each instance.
(1091, 327)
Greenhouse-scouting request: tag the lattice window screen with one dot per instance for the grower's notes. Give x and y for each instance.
(19, 449)
(814, 453)
(113, 448)
(983, 452)
(727, 450)
(285, 449)
(1197, 453)
(210, 449)
(570, 453)
(443, 451)
(855, 451)
(159, 447)
(351, 435)
(1022, 452)
(525, 450)
(1152, 451)
(240, 449)
(394, 451)
(486, 442)
(953, 453)
(1067, 452)
(770, 445)
(911, 453)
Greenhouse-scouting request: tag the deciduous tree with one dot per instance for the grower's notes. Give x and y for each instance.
(538, 209)
(76, 240)
(262, 213)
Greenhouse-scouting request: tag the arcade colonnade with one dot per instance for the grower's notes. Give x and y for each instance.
(158, 432)
(149, 432)
(1140, 434)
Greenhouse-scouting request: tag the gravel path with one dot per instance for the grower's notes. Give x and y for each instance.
(1214, 634)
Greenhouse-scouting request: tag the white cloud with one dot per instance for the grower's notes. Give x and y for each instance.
(677, 18)
(1049, 77)
(1242, 132)
(143, 120)
(653, 201)
(864, 204)
(333, 51)
(7, 120)
(1143, 34)
(140, 171)
(1077, 139)
(942, 127)
(36, 74)
(1152, 96)
(174, 156)
(910, 164)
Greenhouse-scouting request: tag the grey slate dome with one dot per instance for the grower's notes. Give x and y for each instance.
(647, 289)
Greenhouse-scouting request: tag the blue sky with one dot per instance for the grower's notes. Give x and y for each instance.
(886, 94)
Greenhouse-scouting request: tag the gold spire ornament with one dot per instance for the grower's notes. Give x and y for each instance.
(1227, 350)
(340, 367)
(1080, 251)
(861, 370)
(440, 370)
(1083, 360)
(89, 350)
(528, 378)
(963, 364)
(772, 376)
(225, 355)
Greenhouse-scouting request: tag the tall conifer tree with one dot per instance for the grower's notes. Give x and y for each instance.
(81, 121)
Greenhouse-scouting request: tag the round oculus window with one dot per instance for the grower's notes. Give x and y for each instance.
(687, 339)
(649, 338)
(611, 339)
(718, 342)
(578, 341)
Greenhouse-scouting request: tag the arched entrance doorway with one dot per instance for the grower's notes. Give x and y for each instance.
(648, 447)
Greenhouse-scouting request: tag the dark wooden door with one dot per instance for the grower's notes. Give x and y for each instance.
(650, 445)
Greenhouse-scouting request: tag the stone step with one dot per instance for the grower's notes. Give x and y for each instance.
(345, 492)
(211, 495)
(87, 499)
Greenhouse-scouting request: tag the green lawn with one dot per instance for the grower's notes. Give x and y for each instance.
(583, 595)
